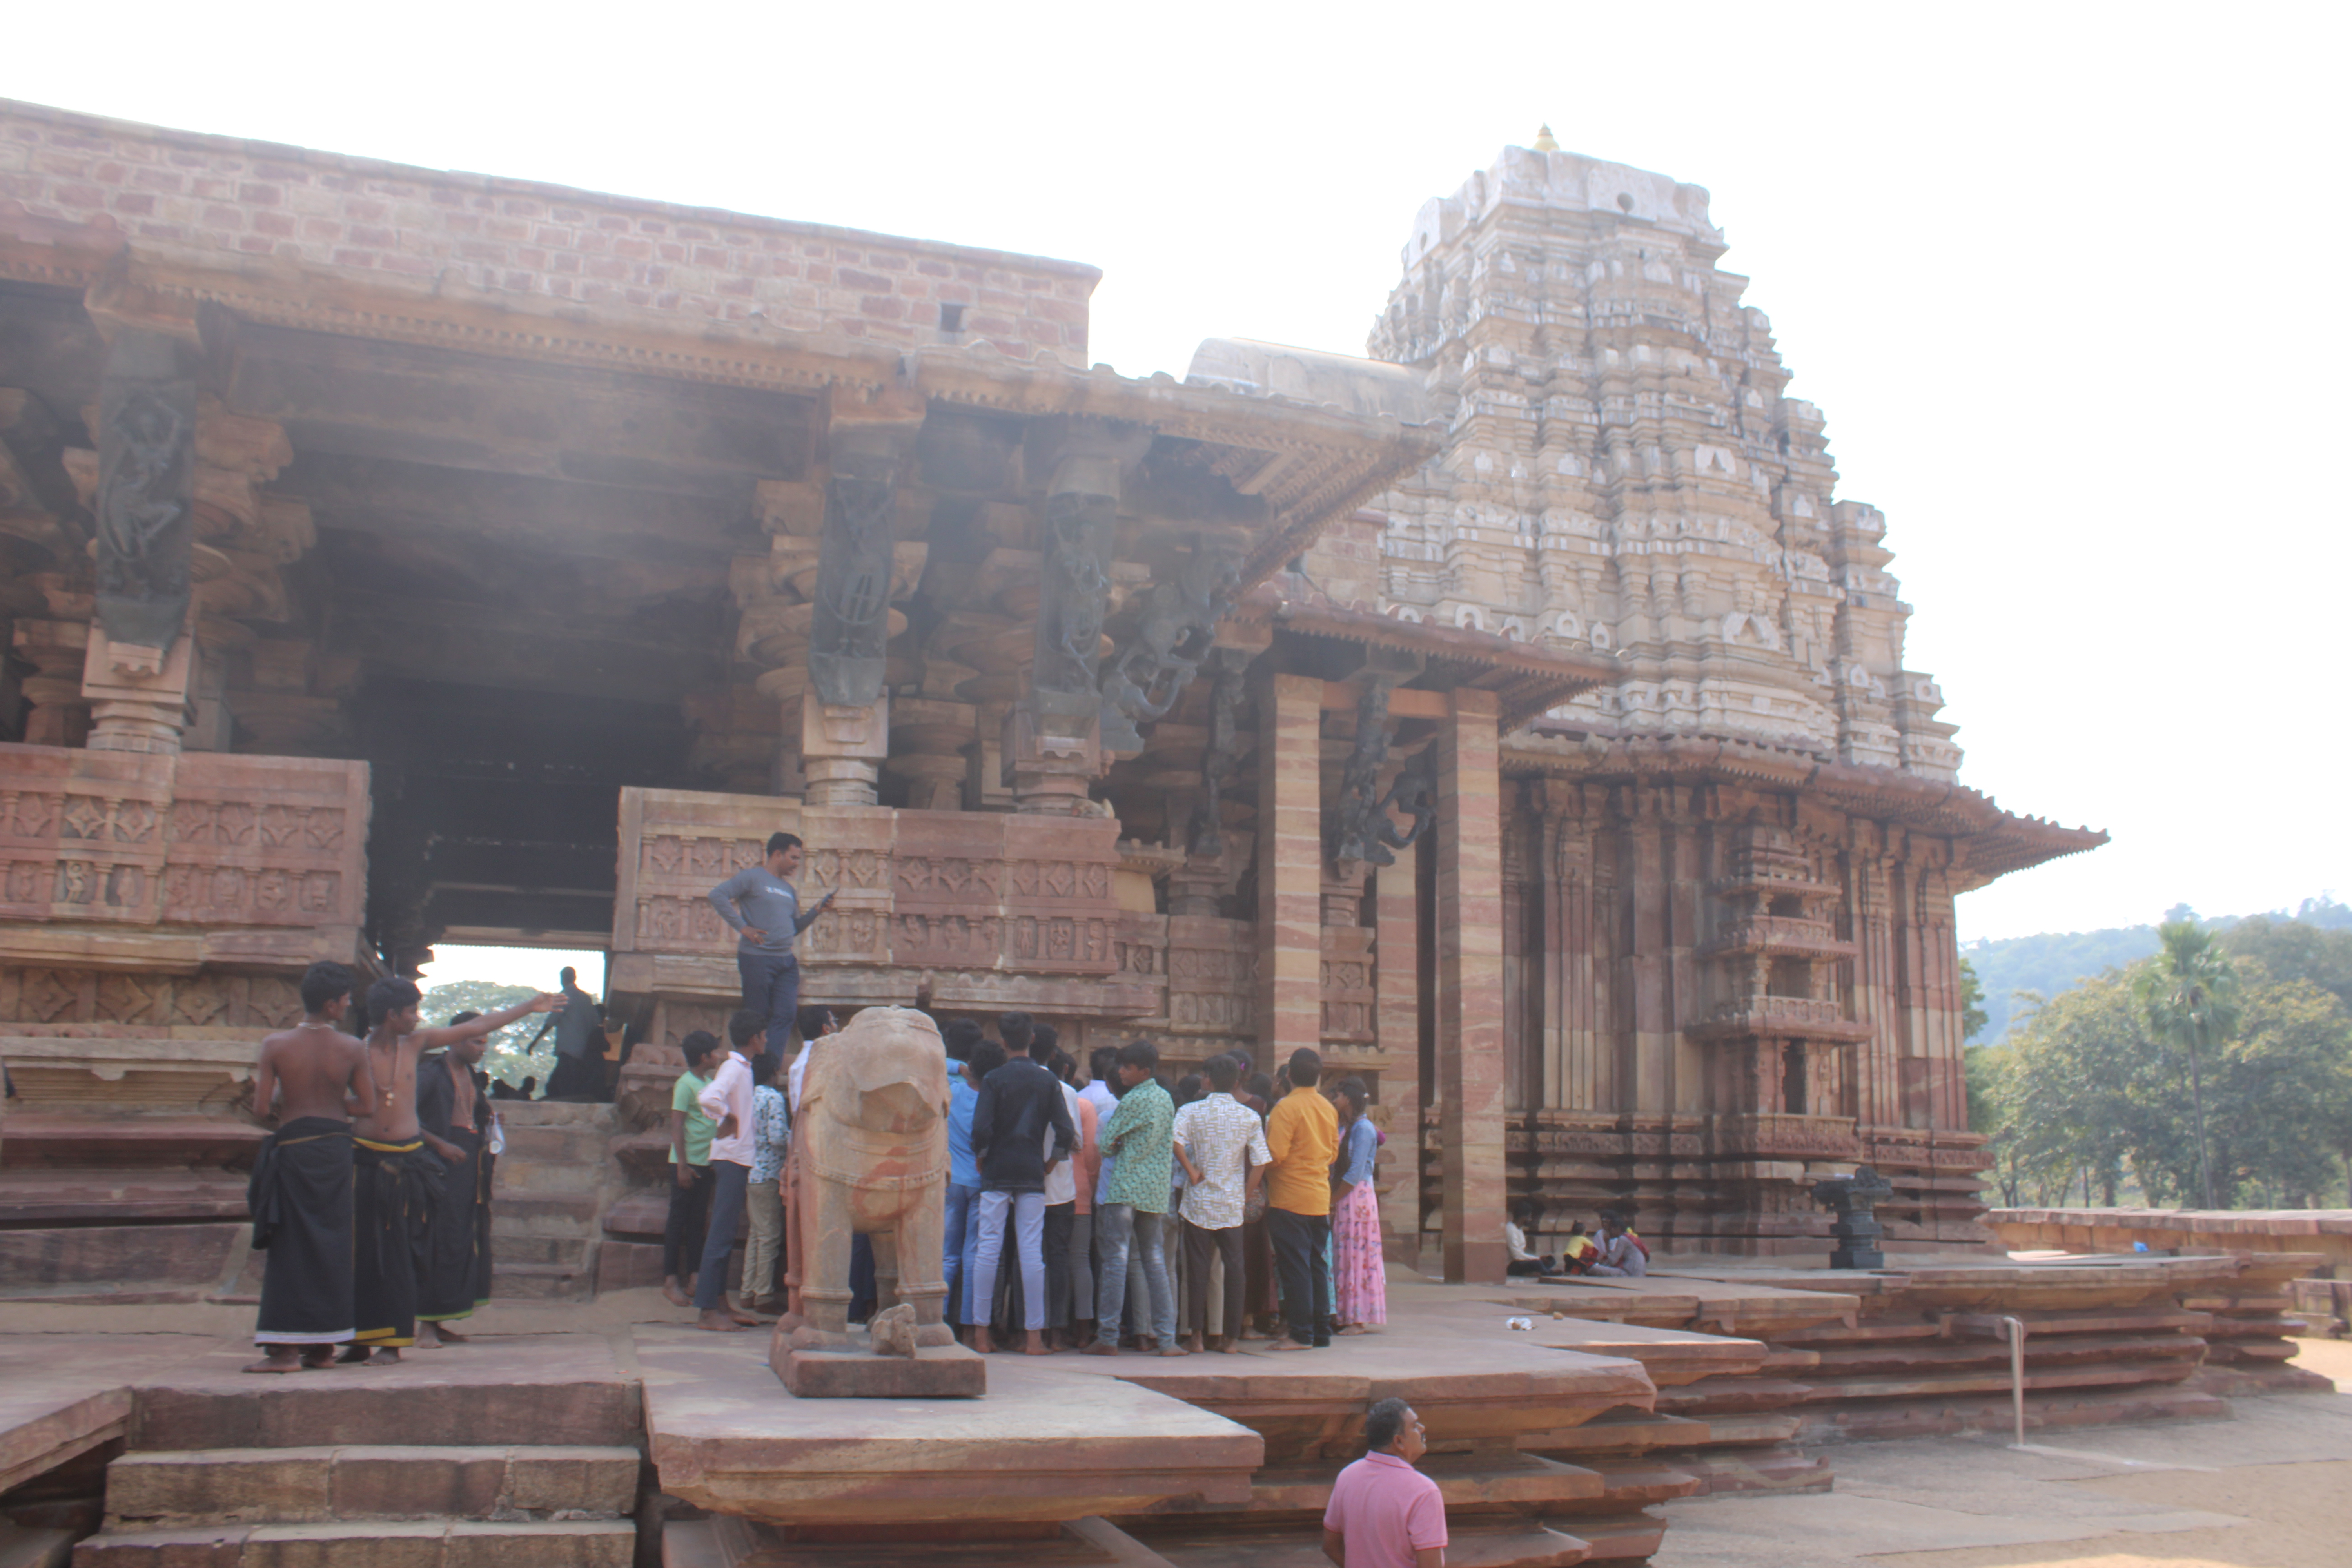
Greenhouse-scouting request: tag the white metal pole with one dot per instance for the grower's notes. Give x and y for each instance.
(2017, 1374)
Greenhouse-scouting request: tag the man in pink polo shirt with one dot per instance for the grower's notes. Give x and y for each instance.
(1383, 1512)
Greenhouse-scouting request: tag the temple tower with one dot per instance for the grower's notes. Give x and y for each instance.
(1726, 911)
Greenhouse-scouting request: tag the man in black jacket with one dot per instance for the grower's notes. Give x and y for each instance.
(1019, 1103)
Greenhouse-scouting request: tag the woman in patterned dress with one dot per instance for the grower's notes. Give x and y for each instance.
(1359, 1286)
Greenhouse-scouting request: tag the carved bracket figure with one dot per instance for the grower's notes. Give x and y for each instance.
(850, 628)
(1179, 620)
(1413, 792)
(1080, 515)
(1204, 834)
(146, 490)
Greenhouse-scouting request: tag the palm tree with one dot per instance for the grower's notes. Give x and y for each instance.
(2191, 992)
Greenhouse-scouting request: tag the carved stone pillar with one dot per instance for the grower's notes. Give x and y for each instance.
(1397, 1020)
(60, 652)
(846, 712)
(1290, 864)
(1470, 986)
(1053, 740)
(139, 654)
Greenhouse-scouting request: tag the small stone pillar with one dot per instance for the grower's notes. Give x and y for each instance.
(1290, 864)
(1470, 986)
(1852, 1199)
(139, 696)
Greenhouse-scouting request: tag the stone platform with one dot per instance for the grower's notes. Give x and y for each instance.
(1918, 1349)
(1200, 1459)
(521, 1453)
(1048, 1443)
(1552, 1444)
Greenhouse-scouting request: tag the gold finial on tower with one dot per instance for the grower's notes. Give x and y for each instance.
(1544, 142)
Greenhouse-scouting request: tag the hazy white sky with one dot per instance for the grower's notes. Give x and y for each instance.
(2058, 274)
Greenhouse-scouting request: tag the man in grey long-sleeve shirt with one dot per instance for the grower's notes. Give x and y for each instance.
(764, 912)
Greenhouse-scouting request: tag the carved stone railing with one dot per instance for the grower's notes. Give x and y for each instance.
(1800, 1137)
(1002, 911)
(166, 864)
(1806, 1017)
(1779, 934)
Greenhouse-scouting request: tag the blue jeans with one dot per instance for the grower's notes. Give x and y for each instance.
(960, 1238)
(772, 988)
(1119, 1228)
(728, 1183)
(1027, 1213)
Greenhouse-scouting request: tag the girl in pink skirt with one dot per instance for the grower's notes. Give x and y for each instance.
(1359, 1282)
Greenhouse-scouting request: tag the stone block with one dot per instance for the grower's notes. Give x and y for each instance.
(224, 1484)
(563, 1544)
(933, 1372)
(573, 1481)
(557, 1389)
(417, 1482)
(218, 1546)
(342, 1544)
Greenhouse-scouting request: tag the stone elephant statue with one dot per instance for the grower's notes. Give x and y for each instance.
(871, 1158)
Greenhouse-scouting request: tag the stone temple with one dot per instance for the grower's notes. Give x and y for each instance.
(1516, 714)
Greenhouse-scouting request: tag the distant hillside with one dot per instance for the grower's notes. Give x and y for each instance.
(2055, 961)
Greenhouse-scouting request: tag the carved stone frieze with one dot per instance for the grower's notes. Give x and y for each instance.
(144, 1004)
(970, 891)
(206, 849)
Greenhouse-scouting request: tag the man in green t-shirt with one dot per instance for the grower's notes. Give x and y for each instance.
(690, 1155)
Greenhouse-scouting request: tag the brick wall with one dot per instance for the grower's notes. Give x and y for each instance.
(178, 191)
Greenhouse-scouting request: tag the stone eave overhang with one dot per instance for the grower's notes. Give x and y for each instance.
(1987, 842)
(1313, 465)
(1526, 679)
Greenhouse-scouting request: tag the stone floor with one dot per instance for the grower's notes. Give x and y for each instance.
(2272, 1488)
(2267, 1490)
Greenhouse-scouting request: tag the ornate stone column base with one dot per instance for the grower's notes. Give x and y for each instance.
(138, 696)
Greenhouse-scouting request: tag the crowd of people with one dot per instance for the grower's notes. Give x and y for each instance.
(1090, 1206)
(371, 1201)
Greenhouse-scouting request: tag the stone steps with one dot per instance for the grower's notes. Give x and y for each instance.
(171, 1490)
(512, 1250)
(547, 1212)
(369, 1544)
(227, 1471)
(561, 1391)
(572, 1280)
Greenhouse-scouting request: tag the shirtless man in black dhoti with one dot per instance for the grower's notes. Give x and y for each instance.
(393, 1201)
(301, 1190)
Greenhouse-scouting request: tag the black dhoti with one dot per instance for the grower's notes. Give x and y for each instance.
(300, 1198)
(392, 1208)
(457, 1274)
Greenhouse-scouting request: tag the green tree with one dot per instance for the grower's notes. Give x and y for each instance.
(511, 1056)
(2191, 992)
(2295, 949)
(2078, 1092)
(1973, 1016)
(2280, 1093)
